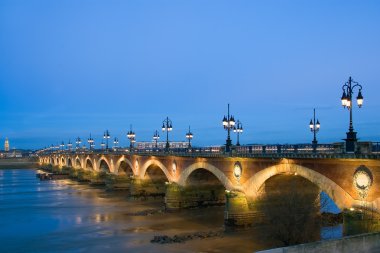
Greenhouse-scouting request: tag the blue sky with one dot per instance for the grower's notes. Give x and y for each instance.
(68, 68)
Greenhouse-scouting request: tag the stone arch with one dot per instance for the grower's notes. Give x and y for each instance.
(69, 162)
(56, 161)
(101, 162)
(88, 164)
(78, 163)
(211, 168)
(122, 161)
(51, 161)
(104, 167)
(341, 198)
(63, 161)
(157, 163)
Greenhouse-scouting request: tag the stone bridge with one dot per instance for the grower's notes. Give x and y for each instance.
(350, 183)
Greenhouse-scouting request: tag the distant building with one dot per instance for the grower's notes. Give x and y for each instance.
(6, 145)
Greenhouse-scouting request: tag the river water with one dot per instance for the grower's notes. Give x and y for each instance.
(65, 216)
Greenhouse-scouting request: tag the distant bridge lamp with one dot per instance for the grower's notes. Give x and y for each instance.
(106, 136)
(189, 137)
(132, 138)
(62, 145)
(228, 124)
(156, 137)
(102, 145)
(168, 127)
(78, 141)
(115, 143)
(238, 129)
(90, 141)
(314, 128)
(348, 90)
(69, 145)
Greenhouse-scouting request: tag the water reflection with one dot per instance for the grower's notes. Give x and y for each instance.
(64, 216)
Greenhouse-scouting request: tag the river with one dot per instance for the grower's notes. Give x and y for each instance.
(66, 216)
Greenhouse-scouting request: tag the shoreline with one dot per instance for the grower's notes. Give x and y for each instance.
(18, 163)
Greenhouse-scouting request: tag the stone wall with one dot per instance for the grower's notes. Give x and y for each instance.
(358, 244)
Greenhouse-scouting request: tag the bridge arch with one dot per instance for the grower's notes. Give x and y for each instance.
(341, 198)
(153, 162)
(69, 162)
(103, 165)
(209, 167)
(78, 163)
(88, 164)
(63, 161)
(123, 165)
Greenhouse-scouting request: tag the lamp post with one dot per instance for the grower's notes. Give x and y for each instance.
(115, 143)
(314, 128)
(238, 129)
(78, 141)
(90, 142)
(348, 90)
(168, 127)
(102, 144)
(189, 136)
(156, 136)
(106, 136)
(131, 136)
(69, 145)
(62, 145)
(228, 124)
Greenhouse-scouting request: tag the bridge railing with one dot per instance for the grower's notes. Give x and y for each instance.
(249, 151)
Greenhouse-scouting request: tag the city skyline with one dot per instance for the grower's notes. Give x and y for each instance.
(69, 69)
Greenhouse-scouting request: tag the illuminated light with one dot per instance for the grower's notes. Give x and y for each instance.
(362, 180)
(360, 99)
(174, 167)
(295, 174)
(228, 191)
(352, 209)
(237, 170)
(348, 103)
(137, 164)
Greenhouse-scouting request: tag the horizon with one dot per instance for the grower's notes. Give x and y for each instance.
(71, 68)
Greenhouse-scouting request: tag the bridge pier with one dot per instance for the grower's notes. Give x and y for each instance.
(357, 221)
(118, 182)
(237, 212)
(147, 188)
(98, 178)
(180, 197)
(173, 197)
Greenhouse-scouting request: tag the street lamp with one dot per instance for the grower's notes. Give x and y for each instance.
(168, 127)
(189, 136)
(314, 128)
(115, 143)
(78, 141)
(156, 136)
(348, 90)
(102, 144)
(238, 129)
(106, 136)
(90, 142)
(228, 124)
(131, 136)
(69, 145)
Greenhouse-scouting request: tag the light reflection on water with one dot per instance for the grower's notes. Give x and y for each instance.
(64, 216)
